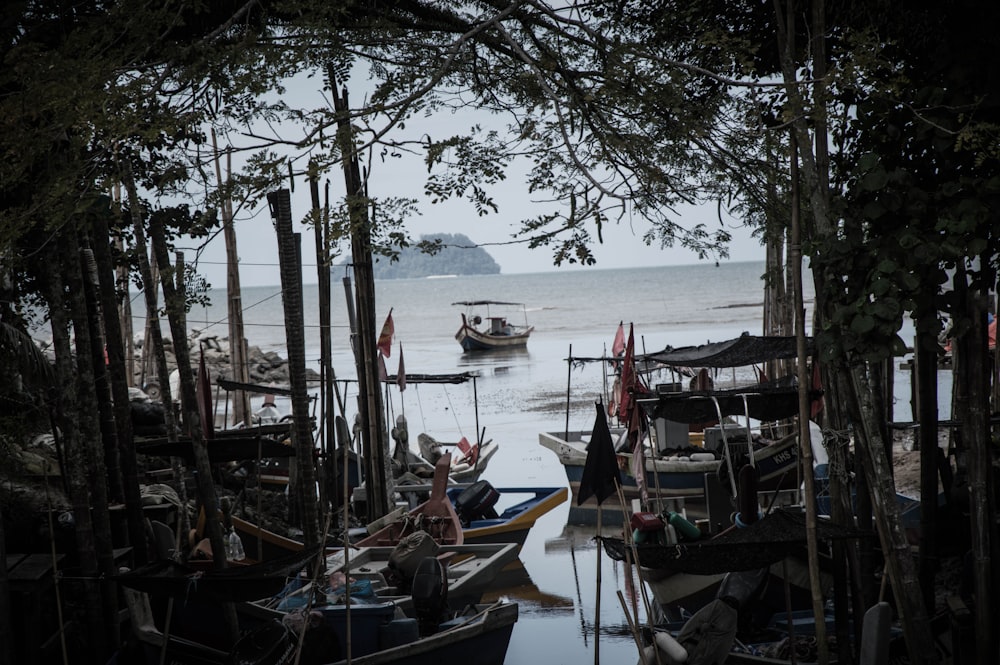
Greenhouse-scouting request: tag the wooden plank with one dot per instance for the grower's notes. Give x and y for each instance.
(33, 568)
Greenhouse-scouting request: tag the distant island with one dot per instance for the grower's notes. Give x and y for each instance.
(458, 256)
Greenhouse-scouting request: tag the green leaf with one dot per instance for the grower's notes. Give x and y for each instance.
(862, 323)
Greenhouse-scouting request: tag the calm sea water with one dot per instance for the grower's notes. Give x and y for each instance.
(522, 393)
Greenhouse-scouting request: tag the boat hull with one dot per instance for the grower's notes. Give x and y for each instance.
(514, 524)
(474, 340)
(680, 481)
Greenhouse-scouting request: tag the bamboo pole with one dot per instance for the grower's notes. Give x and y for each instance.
(374, 433)
(234, 296)
(597, 599)
(569, 379)
(805, 443)
(291, 292)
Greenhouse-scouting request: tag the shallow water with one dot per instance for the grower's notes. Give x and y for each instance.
(521, 393)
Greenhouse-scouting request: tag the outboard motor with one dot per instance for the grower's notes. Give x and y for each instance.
(476, 502)
(407, 557)
(430, 595)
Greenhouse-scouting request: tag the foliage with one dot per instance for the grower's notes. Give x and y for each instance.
(919, 195)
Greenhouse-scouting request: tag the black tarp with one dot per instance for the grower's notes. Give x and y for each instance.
(740, 352)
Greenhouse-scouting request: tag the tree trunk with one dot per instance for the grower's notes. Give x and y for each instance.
(89, 427)
(234, 300)
(842, 511)
(176, 307)
(858, 512)
(983, 510)
(370, 396)
(805, 443)
(64, 408)
(291, 294)
(328, 380)
(6, 629)
(154, 335)
(895, 548)
(102, 384)
(118, 373)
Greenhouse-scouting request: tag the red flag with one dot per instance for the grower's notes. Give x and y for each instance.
(385, 337)
(817, 387)
(628, 377)
(618, 346)
(383, 376)
(630, 414)
(401, 372)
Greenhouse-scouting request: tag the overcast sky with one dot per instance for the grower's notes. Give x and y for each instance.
(623, 246)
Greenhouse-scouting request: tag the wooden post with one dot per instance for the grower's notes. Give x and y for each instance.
(375, 436)
(983, 510)
(234, 297)
(291, 293)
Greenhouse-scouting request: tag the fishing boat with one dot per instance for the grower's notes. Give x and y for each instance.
(486, 515)
(493, 331)
(435, 516)
(677, 478)
(684, 574)
(479, 634)
(389, 571)
(698, 435)
(467, 464)
(391, 619)
(468, 460)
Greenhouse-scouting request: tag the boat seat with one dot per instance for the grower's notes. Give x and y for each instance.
(145, 630)
(141, 615)
(469, 452)
(163, 540)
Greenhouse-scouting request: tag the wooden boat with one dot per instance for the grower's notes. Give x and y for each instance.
(481, 523)
(470, 570)
(479, 634)
(168, 578)
(687, 573)
(467, 464)
(511, 524)
(383, 626)
(678, 477)
(497, 332)
(436, 515)
(468, 461)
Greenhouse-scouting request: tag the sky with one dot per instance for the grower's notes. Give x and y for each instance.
(404, 177)
(622, 248)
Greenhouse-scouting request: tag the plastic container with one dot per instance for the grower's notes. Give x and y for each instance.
(685, 530)
(398, 632)
(367, 622)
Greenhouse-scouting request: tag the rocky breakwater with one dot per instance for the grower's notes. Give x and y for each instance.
(267, 368)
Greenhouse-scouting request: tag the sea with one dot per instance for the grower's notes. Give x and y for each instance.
(568, 594)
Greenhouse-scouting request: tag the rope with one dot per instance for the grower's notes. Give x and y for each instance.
(837, 439)
(452, 408)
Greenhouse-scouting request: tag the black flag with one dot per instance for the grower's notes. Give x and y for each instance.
(600, 471)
